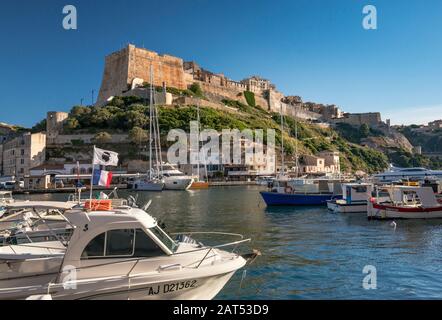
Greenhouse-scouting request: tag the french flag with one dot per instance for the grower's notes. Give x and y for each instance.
(102, 178)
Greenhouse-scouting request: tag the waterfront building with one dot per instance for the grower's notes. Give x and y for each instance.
(324, 162)
(22, 153)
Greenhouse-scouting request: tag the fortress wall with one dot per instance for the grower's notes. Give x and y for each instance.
(357, 119)
(122, 67)
(115, 76)
(227, 92)
(64, 139)
(166, 68)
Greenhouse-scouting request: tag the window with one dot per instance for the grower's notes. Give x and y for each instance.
(120, 242)
(164, 238)
(95, 248)
(127, 243)
(145, 246)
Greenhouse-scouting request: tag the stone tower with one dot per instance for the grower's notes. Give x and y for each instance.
(54, 124)
(131, 63)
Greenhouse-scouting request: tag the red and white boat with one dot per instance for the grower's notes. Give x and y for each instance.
(406, 203)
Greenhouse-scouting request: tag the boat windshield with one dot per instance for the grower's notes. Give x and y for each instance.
(164, 238)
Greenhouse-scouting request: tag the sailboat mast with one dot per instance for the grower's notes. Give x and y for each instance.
(296, 142)
(198, 121)
(150, 122)
(282, 143)
(158, 136)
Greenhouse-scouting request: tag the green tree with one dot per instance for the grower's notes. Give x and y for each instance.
(72, 124)
(196, 90)
(80, 110)
(39, 127)
(250, 98)
(364, 130)
(102, 138)
(138, 135)
(134, 118)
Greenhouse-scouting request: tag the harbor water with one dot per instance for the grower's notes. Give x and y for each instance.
(307, 253)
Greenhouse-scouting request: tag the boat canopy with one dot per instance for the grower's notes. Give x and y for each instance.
(425, 195)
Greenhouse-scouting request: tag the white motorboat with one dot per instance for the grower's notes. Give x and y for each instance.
(175, 179)
(117, 254)
(397, 174)
(355, 197)
(406, 202)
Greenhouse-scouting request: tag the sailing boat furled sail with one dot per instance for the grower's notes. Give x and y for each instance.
(199, 183)
(154, 181)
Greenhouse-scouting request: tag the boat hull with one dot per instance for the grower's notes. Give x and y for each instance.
(199, 185)
(189, 284)
(282, 199)
(346, 208)
(148, 186)
(385, 212)
(172, 183)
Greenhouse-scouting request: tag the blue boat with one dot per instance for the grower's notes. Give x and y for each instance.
(298, 199)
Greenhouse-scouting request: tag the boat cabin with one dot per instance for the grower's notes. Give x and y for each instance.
(356, 192)
(413, 196)
(307, 186)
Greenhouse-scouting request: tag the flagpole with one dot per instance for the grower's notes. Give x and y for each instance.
(92, 176)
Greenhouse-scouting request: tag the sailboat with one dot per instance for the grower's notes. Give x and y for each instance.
(199, 183)
(153, 182)
(287, 191)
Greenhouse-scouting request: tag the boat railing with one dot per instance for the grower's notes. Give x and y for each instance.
(198, 262)
(234, 244)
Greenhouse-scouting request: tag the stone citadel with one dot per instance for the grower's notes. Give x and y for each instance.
(127, 70)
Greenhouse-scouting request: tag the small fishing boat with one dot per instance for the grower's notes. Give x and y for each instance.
(120, 253)
(355, 197)
(199, 185)
(302, 192)
(406, 203)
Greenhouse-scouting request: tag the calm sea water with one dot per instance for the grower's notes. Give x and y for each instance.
(308, 253)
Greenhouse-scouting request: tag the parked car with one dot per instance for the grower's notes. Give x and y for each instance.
(8, 185)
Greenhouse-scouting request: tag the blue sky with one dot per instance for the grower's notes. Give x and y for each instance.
(314, 48)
